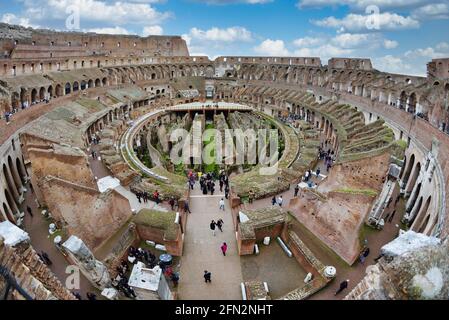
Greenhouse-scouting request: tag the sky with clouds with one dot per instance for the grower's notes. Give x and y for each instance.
(400, 36)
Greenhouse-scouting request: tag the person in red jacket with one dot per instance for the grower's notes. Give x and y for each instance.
(224, 248)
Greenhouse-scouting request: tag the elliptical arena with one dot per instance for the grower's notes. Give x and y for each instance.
(92, 204)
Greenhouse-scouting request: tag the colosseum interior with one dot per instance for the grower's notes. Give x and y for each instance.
(88, 181)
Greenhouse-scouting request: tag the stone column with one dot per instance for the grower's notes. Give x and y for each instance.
(410, 204)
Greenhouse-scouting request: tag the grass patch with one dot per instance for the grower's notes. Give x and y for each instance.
(365, 192)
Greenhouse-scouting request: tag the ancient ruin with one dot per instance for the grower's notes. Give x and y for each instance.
(92, 125)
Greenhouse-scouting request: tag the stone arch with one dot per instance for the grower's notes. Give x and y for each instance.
(76, 86)
(33, 95)
(104, 81)
(15, 101)
(42, 93)
(23, 95)
(50, 91)
(403, 100)
(11, 204)
(416, 209)
(412, 102)
(423, 217)
(412, 201)
(83, 85)
(412, 182)
(67, 88)
(7, 212)
(14, 173)
(407, 173)
(20, 170)
(90, 83)
(97, 83)
(58, 90)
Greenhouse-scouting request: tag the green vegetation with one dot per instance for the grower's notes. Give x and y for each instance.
(211, 167)
(365, 192)
(159, 220)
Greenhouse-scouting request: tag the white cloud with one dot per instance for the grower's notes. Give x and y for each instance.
(356, 22)
(349, 40)
(114, 30)
(362, 4)
(152, 30)
(392, 64)
(390, 44)
(13, 19)
(412, 62)
(116, 13)
(307, 42)
(223, 2)
(232, 34)
(432, 11)
(272, 48)
(325, 52)
(441, 50)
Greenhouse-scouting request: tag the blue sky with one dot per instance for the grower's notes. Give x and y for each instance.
(400, 36)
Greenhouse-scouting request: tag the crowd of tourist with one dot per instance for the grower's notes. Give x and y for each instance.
(24, 105)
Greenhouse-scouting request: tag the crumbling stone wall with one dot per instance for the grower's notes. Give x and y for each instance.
(85, 212)
(32, 274)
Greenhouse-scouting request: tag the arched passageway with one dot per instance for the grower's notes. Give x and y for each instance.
(68, 88)
(409, 170)
(422, 216)
(415, 174)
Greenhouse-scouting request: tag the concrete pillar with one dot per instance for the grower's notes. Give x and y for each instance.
(409, 204)
(11, 185)
(16, 176)
(410, 179)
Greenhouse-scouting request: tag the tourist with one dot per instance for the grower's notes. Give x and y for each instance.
(273, 201)
(156, 197)
(91, 296)
(227, 192)
(296, 190)
(212, 188)
(280, 201)
(220, 224)
(251, 196)
(187, 207)
(175, 279)
(46, 258)
(212, 227)
(343, 286)
(77, 295)
(224, 248)
(172, 203)
(30, 212)
(392, 216)
(318, 171)
(366, 252)
(362, 258)
(222, 204)
(306, 176)
(221, 185)
(207, 276)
